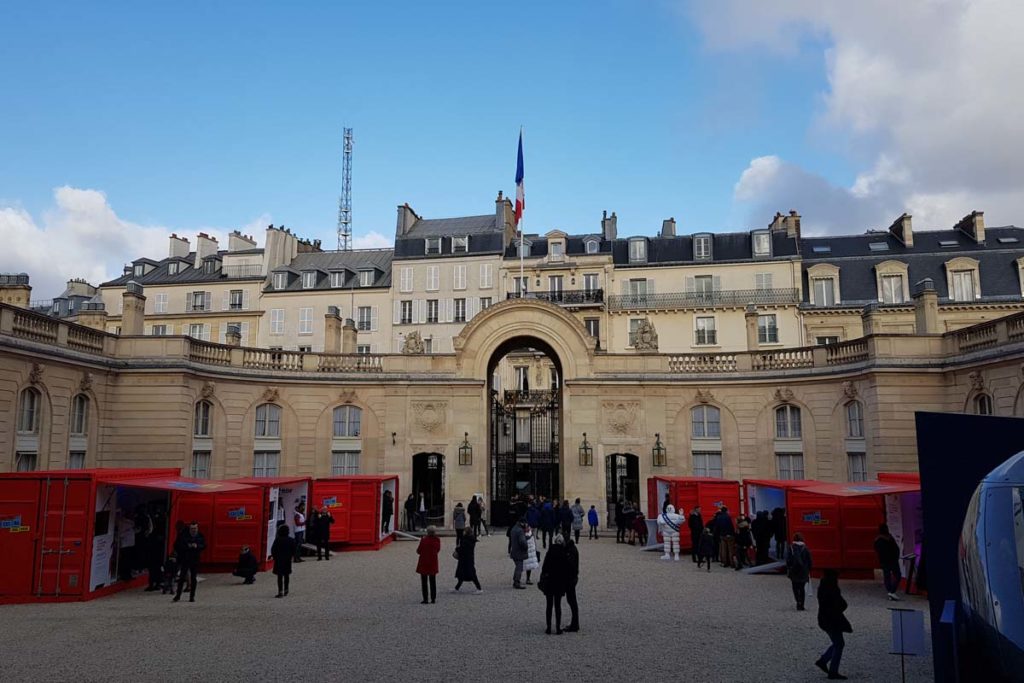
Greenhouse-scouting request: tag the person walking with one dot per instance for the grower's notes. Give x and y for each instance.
(189, 546)
(474, 515)
(592, 522)
(566, 517)
(533, 515)
(410, 513)
(695, 521)
(459, 522)
(577, 519)
(247, 566)
(572, 577)
(744, 541)
(387, 511)
(628, 515)
(532, 561)
(798, 568)
(707, 548)
(518, 551)
(427, 565)
(832, 621)
(554, 577)
(888, 552)
(761, 528)
(547, 521)
(283, 552)
(726, 534)
(620, 522)
(323, 533)
(155, 544)
(312, 527)
(465, 570)
(422, 512)
(300, 530)
(483, 518)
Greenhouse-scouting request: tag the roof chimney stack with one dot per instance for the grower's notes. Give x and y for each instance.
(668, 228)
(205, 246)
(609, 226)
(901, 230)
(406, 219)
(239, 242)
(179, 247)
(973, 225)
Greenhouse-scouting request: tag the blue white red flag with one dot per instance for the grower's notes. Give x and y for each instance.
(520, 195)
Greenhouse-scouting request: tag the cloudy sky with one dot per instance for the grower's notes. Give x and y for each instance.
(121, 124)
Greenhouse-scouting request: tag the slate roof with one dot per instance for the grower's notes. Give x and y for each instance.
(462, 225)
(926, 259)
(325, 262)
(485, 236)
(160, 276)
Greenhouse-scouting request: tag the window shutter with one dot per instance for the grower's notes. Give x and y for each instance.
(223, 338)
(206, 332)
(397, 306)
(650, 287)
(207, 301)
(225, 303)
(148, 330)
(716, 283)
(420, 311)
(449, 310)
(625, 287)
(188, 301)
(485, 276)
(245, 299)
(245, 334)
(373, 318)
(690, 286)
(471, 307)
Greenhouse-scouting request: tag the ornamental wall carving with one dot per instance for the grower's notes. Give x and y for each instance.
(429, 416)
(621, 417)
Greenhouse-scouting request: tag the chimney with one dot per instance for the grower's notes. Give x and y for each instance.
(233, 337)
(505, 217)
(92, 314)
(15, 289)
(668, 228)
(973, 225)
(279, 248)
(205, 246)
(778, 223)
(792, 223)
(133, 314)
(349, 337)
(179, 246)
(609, 226)
(406, 219)
(79, 287)
(926, 307)
(902, 231)
(870, 319)
(239, 242)
(332, 330)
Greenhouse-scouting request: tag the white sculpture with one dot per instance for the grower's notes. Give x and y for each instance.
(669, 524)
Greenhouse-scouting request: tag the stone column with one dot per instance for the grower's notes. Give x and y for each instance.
(332, 330)
(751, 320)
(871, 319)
(926, 307)
(349, 337)
(133, 317)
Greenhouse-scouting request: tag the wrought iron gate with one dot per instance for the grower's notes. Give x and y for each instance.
(525, 437)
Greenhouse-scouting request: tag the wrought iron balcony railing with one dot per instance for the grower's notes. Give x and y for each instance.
(569, 297)
(676, 300)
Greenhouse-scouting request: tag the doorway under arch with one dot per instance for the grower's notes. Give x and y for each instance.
(622, 481)
(428, 479)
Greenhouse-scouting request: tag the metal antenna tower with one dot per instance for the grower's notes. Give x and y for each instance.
(345, 201)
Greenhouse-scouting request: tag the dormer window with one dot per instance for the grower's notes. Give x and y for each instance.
(308, 279)
(172, 268)
(210, 267)
(523, 250)
(433, 245)
(637, 250)
(338, 279)
(460, 245)
(593, 246)
(556, 251)
(280, 280)
(762, 244)
(140, 270)
(702, 248)
(366, 278)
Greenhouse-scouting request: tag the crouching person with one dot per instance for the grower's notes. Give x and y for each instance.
(247, 566)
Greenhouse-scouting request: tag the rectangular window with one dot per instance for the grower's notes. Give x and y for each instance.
(706, 333)
(365, 318)
(702, 247)
(555, 286)
(308, 279)
(892, 289)
(76, 460)
(265, 463)
(201, 426)
(460, 245)
(305, 321)
(523, 251)
(363, 349)
(200, 465)
(557, 251)
(236, 300)
(762, 281)
(762, 244)
(963, 285)
(280, 280)
(522, 378)
(554, 379)
(634, 323)
(277, 321)
(159, 330)
(826, 340)
(824, 291)
(431, 310)
(433, 278)
(704, 284)
(140, 270)
(767, 329)
(520, 286)
(593, 246)
(344, 463)
(486, 275)
(791, 465)
(405, 281)
(172, 268)
(788, 423)
(160, 303)
(433, 245)
(637, 250)
(593, 326)
(405, 317)
(707, 464)
(24, 462)
(589, 282)
(460, 310)
(428, 345)
(459, 277)
(638, 289)
(366, 278)
(854, 420)
(197, 301)
(305, 349)
(338, 279)
(195, 330)
(706, 422)
(485, 303)
(858, 466)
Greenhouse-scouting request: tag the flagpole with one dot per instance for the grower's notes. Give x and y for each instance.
(522, 282)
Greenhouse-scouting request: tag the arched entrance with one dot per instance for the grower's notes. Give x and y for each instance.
(525, 395)
(428, 479)
(622, 481)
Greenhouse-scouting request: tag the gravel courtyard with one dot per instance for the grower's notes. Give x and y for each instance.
(358, 617)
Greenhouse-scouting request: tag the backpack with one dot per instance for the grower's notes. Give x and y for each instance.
(797, 562)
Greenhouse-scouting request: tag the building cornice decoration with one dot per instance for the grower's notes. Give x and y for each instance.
(347, 396)
(271, 395)
(620, 416)
(207, 390)
(849, 390)
(977, 381)
(85, 384)
(35, 376)
(646, 338)
(413, 344)
(430, 415)
(704, 395)
(784, 394)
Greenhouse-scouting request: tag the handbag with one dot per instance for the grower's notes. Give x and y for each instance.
(455, 554)
(541, 584)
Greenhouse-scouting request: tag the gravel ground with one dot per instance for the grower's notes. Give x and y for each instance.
(359, 615)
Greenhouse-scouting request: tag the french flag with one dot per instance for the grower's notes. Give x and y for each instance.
(520, 195)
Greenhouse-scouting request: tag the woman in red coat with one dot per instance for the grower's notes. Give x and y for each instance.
(426, 567)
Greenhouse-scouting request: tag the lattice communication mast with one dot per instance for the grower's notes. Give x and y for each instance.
(345, 201)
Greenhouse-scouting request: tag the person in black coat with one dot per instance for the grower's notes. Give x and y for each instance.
(695, 521)
(387, 511)
(475, 513)
(283, 552)
(189, 546)
(762, 529)
(888, 552)
(247, 566)
(323, 533)
(465, 570)
(620, 523)
(565, 519)
(554, 579)
(410, 513)
(832, 621)
(572, 578)
(780, 532)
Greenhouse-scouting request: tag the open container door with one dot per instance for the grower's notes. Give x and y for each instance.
(280, 495)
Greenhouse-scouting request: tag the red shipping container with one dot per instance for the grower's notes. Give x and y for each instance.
(280, 495)
(768, 494)
(685, 493)
(904, 477)
(356, 502)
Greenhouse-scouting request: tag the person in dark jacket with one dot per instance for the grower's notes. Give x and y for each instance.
(832, 621)
(154, 548)
(620, 522)
(189, 546)
(554, 579)
(475, 514)
(410, 513)
(547, 521)
(888, 552)
(323, 532)
(665, 503)
(572, 555)
(533, 515)
(744, 541)
(628, 515)
(387, 511)
(565, 519)
(459, 522)
(780, 531)
(518, 551)
(798, 568)
(427, 566)
(465, 570)
(695, 521)
(283, 552)
(312, 527)
(725, 535)
(707, 547)
(247, 566)
(762, 531)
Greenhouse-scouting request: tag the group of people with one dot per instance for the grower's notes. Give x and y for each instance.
(722, 539)
(474, 513)
(553, 517)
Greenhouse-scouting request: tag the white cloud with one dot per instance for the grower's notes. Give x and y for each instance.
(372, 240)
(81, 236)
(927, 90)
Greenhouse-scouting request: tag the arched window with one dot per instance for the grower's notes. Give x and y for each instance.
(202, 426)
(706, 422)
(268, 421)
(28, 411)
(348, 421)
(854, 420)
(787, 422)
(982, 404)
(80, 415)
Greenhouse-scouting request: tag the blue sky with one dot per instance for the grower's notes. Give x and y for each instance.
(216, 116)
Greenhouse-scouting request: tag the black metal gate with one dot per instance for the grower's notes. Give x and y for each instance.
(525, 437)
(622, 482)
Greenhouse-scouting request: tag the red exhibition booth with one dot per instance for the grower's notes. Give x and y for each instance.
(279, 499)
(356, 503)
(685, 493)
(63, 533)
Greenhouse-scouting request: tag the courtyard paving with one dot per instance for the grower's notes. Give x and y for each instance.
(358, 617)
